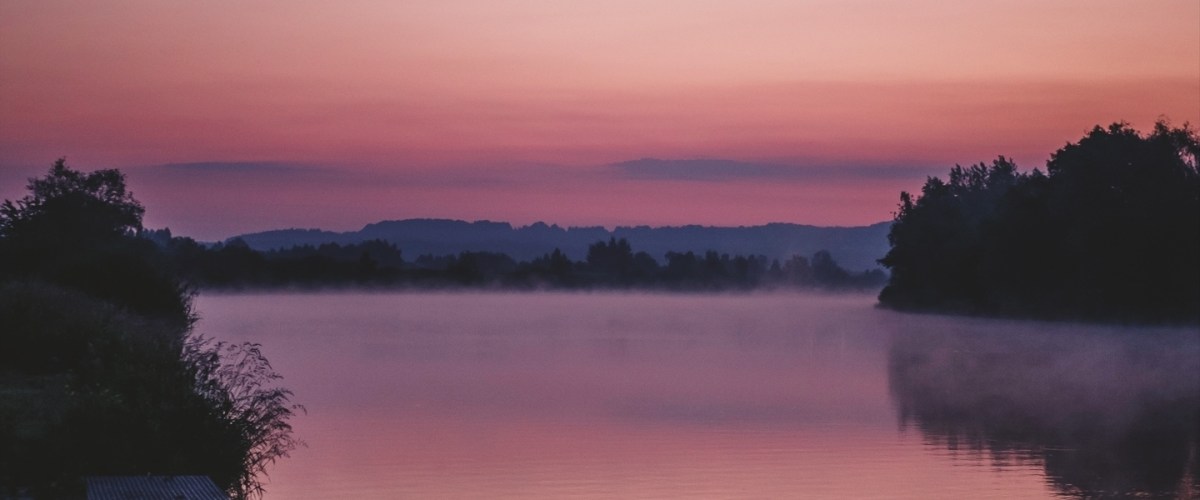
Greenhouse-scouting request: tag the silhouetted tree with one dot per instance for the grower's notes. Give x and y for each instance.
(474, 268)
(1109, 232)
(825, 270)
(612, 261)
(95, 324)
(797, 271)
(557, 264)
(77, 230)
(72, 207)
(553, 269)
(681, 268)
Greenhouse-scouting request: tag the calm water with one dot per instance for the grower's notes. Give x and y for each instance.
(676, 396)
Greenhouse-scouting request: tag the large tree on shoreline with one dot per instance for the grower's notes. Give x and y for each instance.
(104, 374)
(1111, 231)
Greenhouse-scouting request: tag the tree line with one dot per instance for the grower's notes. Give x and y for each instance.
(609, 264)
(1110, 231)
(100, 371)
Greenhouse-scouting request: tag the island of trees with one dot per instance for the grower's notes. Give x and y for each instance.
(1110, 232)
(100, 372)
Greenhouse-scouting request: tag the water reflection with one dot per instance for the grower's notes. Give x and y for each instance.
(582, 396)
(1108, 412)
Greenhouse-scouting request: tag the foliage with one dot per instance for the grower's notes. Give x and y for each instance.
(609, 264)
(76, 229)
(1109, 232)
(238, 382)
(95, 335)
(73, 205)
(614, 262)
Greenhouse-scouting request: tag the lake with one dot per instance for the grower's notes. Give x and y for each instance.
(612, 395)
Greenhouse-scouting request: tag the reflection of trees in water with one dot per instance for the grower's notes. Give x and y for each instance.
(1109, 414)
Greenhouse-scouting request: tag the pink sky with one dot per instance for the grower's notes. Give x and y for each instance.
(512, 110)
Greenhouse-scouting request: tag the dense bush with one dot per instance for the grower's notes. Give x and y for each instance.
(100, 371)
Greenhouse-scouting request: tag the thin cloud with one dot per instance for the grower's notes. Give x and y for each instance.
(237, 171)
(237, 167)
(716, 170)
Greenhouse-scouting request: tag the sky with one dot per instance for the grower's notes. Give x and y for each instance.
(230, 116)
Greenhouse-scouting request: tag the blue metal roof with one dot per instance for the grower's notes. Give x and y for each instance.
(153, 488)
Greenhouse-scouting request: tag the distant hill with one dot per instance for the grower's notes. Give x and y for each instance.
(855, 248)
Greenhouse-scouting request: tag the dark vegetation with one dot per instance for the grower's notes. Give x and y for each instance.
(855, 247)
(100, 373)
(1111, 231)
(609, 264)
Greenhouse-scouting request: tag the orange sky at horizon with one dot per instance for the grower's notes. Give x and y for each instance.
(461, 90)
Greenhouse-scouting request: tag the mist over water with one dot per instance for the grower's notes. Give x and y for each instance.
(599, 395)
(1109, 411)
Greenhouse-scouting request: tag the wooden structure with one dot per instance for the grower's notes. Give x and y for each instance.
(153, 488)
